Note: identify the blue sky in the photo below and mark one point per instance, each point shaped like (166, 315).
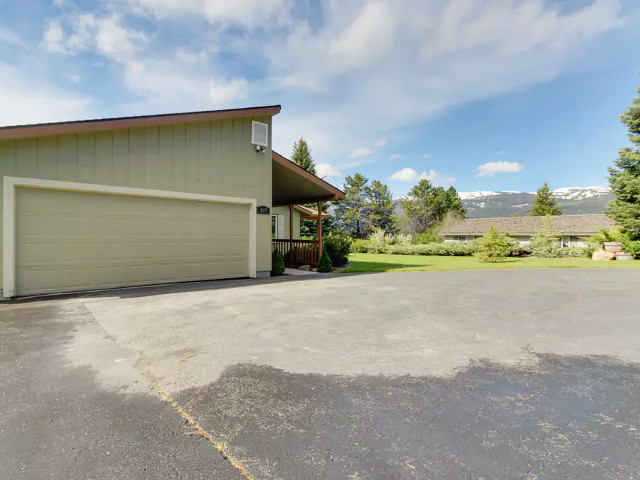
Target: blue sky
(493, 95)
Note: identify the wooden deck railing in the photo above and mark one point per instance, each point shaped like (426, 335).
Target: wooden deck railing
(297, 252)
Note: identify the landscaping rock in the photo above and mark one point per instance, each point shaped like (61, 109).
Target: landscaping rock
(603, 255)
(306, 268)
(623, 256)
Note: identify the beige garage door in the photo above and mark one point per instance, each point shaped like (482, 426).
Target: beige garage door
(70, 241)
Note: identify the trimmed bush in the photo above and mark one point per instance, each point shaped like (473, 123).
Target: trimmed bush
(277, 264)
(458, 249)
(426, 237)
(574, 252)
(359, 245)
(494, 246)
(325, 265)
(338, 246)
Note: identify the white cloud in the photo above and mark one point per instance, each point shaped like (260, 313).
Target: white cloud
(366, 39)
(409, 175)
(500, 152)
(8, 37)
(116, 41)
(242, 13)
(380, 143)
(221, 92)
(405, 175)
(431, 175)
(426, 67)
(395, 156)
(72, 77)
(53, 38)
(489, 169)
(25, 100)
(185, 56)
(106, 36)
(325, 170)
(361, 152)
(162, 82)
(365, 68)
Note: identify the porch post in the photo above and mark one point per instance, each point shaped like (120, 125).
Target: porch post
(319, 229)
(290, 222)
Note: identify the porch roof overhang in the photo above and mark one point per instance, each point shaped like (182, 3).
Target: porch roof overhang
(293, 184)
(309, 213)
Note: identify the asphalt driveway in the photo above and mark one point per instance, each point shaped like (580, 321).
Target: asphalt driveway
(483, 374)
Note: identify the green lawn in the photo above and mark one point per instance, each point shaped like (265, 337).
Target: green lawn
(372, 262)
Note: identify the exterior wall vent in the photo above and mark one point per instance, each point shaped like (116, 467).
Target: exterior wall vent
(260, 134)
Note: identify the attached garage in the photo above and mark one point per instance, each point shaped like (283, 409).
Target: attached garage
(120, 202)
(71, 237)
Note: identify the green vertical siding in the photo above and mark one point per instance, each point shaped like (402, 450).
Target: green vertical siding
(214, 158)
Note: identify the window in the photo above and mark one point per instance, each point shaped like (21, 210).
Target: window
(274, 226)
(467, 238)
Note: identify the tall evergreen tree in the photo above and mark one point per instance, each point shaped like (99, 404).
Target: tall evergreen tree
(426, 205)
(352, 213)
(381, 207)
(624, 180)
(545, 203)
(301, 155)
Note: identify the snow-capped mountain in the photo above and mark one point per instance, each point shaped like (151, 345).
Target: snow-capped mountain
(574, 200)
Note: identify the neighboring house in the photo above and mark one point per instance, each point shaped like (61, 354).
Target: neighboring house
(573, 229)
(145, 200)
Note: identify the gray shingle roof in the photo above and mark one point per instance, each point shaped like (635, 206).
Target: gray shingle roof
(582, 225)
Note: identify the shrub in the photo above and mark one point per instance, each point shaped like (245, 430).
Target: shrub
(442, 249)
(378, 240)
(574, 252)
(545, 243)
(277, 264)
(426, 237)
(494, 246)
(338, 246)
(358, 245)
(616, 234)
(403, 239)
(325, 265)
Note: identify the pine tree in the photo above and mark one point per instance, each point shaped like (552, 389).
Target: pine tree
(545, 203)
(352, 212)
(624, 180)
(427, 206)
(545, 242)
(381, 207)
(302, 156)
(494, 246)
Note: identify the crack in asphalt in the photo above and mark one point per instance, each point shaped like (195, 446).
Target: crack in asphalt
(154, 386)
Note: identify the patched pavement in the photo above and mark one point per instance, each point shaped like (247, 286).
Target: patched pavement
(513, 374)
(58, 422)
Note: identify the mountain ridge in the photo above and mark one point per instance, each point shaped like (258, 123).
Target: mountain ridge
(509, 203)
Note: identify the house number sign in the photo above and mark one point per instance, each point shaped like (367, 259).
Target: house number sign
(263, 210)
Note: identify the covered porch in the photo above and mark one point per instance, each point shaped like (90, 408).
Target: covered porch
(293, 187)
